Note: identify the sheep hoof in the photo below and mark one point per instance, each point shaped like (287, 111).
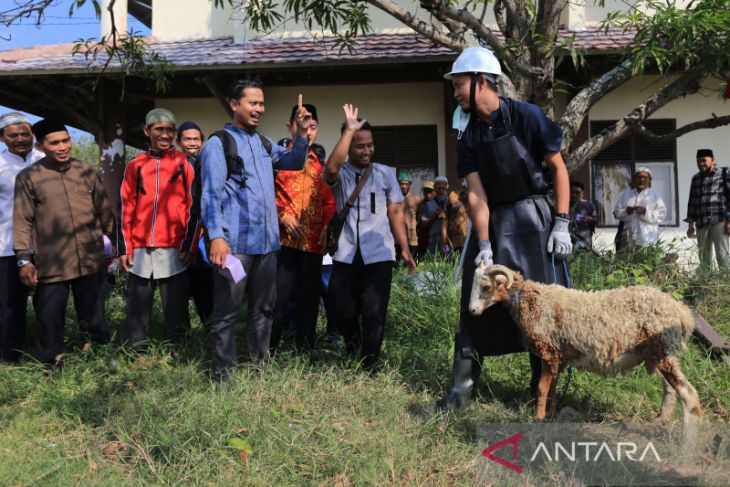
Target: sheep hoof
(567, 415)
(663, 419)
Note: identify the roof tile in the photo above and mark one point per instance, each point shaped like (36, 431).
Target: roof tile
(256, 53)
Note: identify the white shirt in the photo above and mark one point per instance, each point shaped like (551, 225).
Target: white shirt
(10, 165)
(157, 262)
(642, 229)
(367, 227)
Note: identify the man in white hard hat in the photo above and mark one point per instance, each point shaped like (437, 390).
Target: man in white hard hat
(509, 154)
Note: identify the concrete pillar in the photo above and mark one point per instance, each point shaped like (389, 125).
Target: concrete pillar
(119, 8)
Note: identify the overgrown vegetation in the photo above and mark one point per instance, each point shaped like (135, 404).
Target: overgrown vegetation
(112, 416)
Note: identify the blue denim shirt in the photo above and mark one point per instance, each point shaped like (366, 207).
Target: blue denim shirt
(367, 227)
(245, 217)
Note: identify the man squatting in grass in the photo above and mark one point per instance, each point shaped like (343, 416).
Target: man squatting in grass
(157, 231)
(305, 205)
(18, 154)
(363, 271)
(240, 218)
(500, 155)
(200, 273)
(60, 217)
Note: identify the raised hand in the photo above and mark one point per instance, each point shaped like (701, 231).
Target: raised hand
(302, 118)
(351, 121)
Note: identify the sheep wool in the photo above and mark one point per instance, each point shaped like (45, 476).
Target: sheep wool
(606, 332)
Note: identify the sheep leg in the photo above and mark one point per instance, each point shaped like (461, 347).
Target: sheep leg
(669, 400)
(553, 390)
(691, 410)
(543, 388)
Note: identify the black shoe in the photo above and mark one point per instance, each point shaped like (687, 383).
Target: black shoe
(54, 366)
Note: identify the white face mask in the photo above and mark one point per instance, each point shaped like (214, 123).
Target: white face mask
(460, 121)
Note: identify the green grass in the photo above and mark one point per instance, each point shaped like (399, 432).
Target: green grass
(157, 418)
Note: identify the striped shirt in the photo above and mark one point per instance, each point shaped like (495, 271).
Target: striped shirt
(708, 198)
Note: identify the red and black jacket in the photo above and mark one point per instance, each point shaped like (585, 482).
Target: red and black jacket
(156, 200)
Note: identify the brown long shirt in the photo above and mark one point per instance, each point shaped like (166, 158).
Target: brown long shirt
(60, 215)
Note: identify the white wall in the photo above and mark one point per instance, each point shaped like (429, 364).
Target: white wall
(684, 110)
(199, 19)
(387, 104)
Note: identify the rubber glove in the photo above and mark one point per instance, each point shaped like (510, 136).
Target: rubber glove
(559, 243)
(485, 253)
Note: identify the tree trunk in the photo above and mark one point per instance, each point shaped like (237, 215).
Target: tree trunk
(111, 137)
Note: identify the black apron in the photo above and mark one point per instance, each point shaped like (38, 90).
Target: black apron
(519, 226)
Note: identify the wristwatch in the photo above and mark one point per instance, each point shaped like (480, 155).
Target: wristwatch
(564, 216)
(23, 262)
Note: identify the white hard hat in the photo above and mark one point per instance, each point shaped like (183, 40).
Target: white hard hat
(475, 60)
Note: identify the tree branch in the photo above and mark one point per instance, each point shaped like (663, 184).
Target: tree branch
(25, 10)
(709, 123)
(548, 20)
(687, 84)
(497, 45)
(423, 28)
(516, 18)
(581, 103)
(209, 83)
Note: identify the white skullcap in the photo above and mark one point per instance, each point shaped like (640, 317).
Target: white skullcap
(643, 169)
(12, 118)
(441, 179)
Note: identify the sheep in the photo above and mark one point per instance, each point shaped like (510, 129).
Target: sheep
(606, 332)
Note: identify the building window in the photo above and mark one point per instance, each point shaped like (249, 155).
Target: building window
(408, 147)
(612, 169)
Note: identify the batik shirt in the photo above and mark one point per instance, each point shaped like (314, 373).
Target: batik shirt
(305, 196)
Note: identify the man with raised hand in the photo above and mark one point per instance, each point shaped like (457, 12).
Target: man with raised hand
(238, 210)
(360, 285)
(305, 205)
(60, 217)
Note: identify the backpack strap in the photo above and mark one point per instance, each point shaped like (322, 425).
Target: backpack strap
(230, 151)
(265, 142)
(140, 183)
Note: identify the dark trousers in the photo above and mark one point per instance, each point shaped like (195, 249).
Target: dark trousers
(298, 276)
(329, 306)
(201, 290)
(360, 294)
(13, 299)
(174, 298)
(50, 302)
(260, 286)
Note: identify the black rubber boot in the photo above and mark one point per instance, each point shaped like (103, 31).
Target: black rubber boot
(466, 374)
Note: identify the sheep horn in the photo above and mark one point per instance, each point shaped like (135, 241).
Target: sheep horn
(497, 269)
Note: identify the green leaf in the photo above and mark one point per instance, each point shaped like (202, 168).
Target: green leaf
(240, 444)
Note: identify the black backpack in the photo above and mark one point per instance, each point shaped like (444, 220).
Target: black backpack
(233, 160)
